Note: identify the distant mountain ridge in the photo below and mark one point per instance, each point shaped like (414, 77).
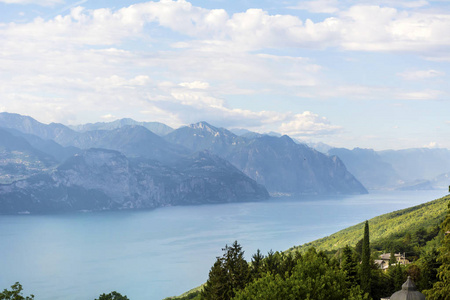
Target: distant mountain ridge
(408, 169)
(278, 163)
(130, 167)
(99, 179)
(155, 127)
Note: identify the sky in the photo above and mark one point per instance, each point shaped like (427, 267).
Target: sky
(369, 74)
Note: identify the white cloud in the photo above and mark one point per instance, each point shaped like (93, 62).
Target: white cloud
(318, 6)
(420, 74)
(201, 85)
(420, 95)
(307, 124)
(431, 145)
(37, 2)
(108, 117)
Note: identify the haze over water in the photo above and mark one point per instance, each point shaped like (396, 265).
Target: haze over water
(164, 252)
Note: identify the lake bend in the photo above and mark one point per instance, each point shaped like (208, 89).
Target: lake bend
(164, 252)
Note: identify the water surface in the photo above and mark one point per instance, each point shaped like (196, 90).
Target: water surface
(164, 252)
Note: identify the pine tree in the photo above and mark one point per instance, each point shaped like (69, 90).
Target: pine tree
(216, 286)
(228, 274)
(365, 264)
(349, 265)
(257, 265)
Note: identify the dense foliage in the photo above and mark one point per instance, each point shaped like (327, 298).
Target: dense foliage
(441, 288)
(112, 296)
(306, 272)
(344, 273)
(412, 226)
(15, 293)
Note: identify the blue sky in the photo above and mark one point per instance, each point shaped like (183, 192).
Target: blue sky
(370, 74)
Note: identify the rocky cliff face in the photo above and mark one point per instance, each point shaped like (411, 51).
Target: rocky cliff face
(104, 179)
(278, 163)
(281, 165)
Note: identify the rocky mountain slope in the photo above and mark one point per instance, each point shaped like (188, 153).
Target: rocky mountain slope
(278, 163)
(19, 160)
(99, 179)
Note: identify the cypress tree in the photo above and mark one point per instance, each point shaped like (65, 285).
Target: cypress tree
(365, 258)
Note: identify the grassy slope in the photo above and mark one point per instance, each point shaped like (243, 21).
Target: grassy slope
(387, 226)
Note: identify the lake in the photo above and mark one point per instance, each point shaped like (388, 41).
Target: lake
(164, 252)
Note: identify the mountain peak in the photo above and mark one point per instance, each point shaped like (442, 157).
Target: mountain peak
(204, 126)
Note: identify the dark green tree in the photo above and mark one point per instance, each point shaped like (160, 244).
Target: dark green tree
(112, 296)
(216, 287)
(228, 274)
(287, 264)
(256, 267)
(313, 277)
(272, 262)
(397, 276)
(349, 265)
(15, 293)
(358, 248)
(392, 259)
(365, 261)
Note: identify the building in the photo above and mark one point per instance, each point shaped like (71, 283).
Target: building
(383, 262)
(408, 292)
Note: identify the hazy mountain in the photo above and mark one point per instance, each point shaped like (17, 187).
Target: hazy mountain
(203, 136)
(57, 132)
(49, 147)
(368, 167)
(321, 147)
(282, 165)
(440, 182)
(100, 179)
(422, 163)
(155, 127)
(278, 163)
(133, 141)
(19, 160)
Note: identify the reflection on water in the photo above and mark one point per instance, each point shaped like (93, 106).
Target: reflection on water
(164, 252)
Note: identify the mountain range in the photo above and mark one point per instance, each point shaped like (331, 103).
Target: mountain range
(43, 166)
(407, 169)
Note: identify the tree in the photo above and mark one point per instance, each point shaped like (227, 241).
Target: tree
(392, 259)
(441, 289)
(216, 286)
(349, 265)
(365, 258)
(313, 277)
(15, 293)
(112, 296)
(257, 264)
(228, 274)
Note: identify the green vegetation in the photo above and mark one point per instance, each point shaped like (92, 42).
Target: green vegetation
(392, 230)
(112, 296)
(441, 289)
(340, 266)
(15, 293)
(335, 264)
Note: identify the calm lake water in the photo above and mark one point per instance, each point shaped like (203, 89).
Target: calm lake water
(164, 252)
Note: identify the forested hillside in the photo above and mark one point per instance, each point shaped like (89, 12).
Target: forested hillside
(333, 267)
